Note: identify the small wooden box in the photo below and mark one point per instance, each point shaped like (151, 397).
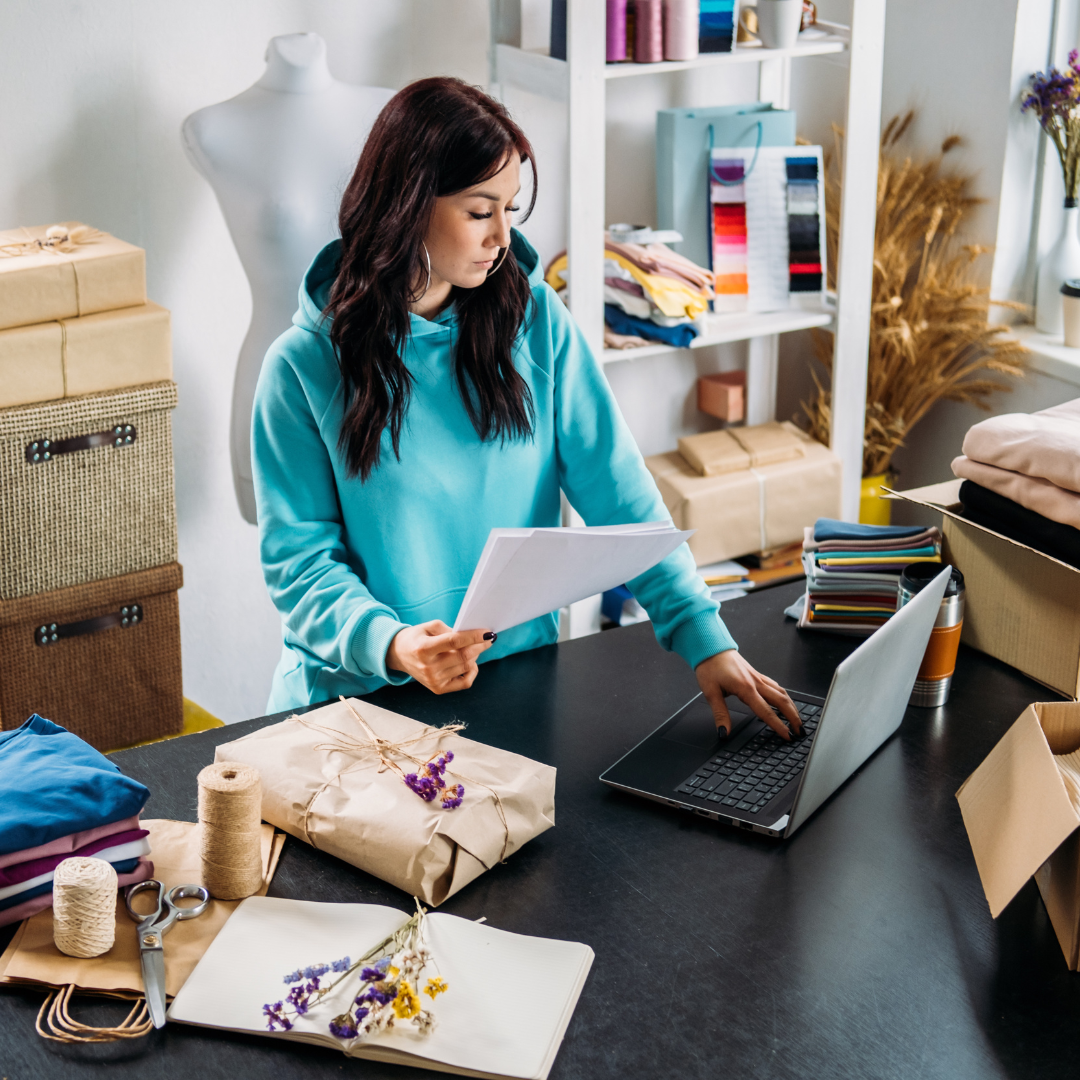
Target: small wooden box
(723, 395)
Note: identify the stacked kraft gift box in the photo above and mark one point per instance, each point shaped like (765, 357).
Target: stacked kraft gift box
(89, 621)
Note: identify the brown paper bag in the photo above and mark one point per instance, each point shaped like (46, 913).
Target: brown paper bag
(95, 273)
(31, 957)
(324, 781)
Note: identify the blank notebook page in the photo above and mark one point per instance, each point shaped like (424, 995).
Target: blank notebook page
(509, 1000)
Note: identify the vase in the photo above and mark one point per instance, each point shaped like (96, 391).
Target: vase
(1060, 262)
(873, 509)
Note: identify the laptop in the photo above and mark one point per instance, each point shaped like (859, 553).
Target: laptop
(755, 780)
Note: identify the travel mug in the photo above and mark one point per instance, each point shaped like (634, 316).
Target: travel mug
(934, 681)
(1070, 311)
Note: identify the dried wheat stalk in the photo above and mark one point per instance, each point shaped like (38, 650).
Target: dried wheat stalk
(929, 335)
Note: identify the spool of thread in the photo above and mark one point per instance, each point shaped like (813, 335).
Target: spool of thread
(648, 31)
(84, 907)
(616, 30)
(681, 29)
(230, 812)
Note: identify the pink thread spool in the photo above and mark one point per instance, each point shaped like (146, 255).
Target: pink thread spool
(648, 31)
(681, 19)
(616, 30)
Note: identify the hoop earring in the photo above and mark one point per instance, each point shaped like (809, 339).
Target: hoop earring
(500, 262)
(428, 285)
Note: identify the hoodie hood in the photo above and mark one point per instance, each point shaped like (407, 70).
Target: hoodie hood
(319, 279)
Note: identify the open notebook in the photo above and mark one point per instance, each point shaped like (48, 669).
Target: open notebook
(509, 1001)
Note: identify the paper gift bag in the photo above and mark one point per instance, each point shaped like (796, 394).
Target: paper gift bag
(739, 513)
(75, 356)
(75, 271)
(334, 779)
(31, 957)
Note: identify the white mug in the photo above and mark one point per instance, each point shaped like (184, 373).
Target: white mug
(778, 22)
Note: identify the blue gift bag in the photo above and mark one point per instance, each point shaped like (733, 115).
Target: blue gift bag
(682, 162)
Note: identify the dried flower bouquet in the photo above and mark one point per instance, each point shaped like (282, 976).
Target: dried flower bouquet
(929, 335)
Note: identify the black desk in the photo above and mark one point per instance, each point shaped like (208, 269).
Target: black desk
(861, 948)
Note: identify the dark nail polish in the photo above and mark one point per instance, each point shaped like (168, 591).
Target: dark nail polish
(490, 635)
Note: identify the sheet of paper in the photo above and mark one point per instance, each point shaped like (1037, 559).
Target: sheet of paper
(522, 578)
(509, 1000)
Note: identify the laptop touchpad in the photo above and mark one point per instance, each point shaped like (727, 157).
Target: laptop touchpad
(697, 727)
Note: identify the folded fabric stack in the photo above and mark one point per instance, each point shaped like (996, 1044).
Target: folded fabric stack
(1021, 478)
(651, 293)
(853, 572)
(62, 798)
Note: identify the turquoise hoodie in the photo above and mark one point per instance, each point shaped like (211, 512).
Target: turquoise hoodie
(350, 563)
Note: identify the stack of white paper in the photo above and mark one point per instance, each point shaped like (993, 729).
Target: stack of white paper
(525, 573)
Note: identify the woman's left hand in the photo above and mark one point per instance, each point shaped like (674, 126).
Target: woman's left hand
(728, 673)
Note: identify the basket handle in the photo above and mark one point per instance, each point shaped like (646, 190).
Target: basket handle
(49, 633)
(41, 450)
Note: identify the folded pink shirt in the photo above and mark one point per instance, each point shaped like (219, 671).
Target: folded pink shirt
(68, 845)
(31, 868)
(1044, 445)
(1035, 493)
(142, 872)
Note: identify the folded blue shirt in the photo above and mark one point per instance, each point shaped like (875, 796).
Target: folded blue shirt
(831, 529)
(679, 336)
(54, 784)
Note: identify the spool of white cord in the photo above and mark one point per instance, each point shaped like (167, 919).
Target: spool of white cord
(84, 907)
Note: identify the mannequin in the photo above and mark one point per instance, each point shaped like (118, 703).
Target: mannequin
(278, 157)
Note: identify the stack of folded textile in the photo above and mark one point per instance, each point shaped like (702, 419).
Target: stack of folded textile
(651, 293)
(1021, 478)
(62, 798)
(853, 572)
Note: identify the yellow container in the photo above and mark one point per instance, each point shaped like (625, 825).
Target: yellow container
(874, 510)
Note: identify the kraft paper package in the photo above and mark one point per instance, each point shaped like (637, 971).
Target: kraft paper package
(753, 507)
(32, 958)
(334, 779)
(64, 271)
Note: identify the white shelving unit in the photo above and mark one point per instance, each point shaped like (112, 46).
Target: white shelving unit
(580, 82)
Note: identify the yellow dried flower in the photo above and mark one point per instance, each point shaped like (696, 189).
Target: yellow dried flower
(434, 987)
(406, 1004)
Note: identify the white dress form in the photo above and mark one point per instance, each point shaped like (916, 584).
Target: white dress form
(278, 157)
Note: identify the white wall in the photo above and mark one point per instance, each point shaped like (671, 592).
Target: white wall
(92, 94)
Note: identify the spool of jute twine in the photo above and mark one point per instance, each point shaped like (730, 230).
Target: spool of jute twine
(230, 813)
(84, 907)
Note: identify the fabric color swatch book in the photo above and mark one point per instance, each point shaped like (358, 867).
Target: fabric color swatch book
(508, 1003)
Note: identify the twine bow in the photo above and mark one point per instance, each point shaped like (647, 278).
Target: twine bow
(59, 239)
(387, 749)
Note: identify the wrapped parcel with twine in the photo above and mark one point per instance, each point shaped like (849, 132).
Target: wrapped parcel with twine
(421, 807)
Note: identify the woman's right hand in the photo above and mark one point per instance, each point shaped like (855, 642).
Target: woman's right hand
(442, 659)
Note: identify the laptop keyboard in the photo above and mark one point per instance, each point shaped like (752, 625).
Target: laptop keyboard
(752, 776)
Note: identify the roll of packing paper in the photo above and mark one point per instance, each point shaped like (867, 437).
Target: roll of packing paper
(681, 29)
(648, 31)
(616, 30)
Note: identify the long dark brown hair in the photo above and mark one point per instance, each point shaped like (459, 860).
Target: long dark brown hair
(435, 137)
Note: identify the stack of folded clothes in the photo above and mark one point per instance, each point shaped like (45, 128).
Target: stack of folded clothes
(853, 572)
(651, 293)
(62, 798)
(1021, 478)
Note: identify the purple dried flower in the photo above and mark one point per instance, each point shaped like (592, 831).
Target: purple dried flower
(275, 1016)
(295, 977)
(452, 799)
(375, 996)
(340, 965)
(370, 974)
(315, 970)
(343, 1026)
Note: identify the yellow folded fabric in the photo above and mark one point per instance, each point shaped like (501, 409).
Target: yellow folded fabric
(674, 298)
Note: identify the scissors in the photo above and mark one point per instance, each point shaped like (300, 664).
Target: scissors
(152, 927)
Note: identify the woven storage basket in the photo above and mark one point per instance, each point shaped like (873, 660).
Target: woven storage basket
(109, 682)
(86, 513)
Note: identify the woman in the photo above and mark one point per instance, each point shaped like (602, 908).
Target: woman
(434, 387)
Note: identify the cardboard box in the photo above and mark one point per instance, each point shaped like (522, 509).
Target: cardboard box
(723, 395)
(713, 453)
(1022, 607)
(88, 355)
(91, 272)
(751, 510)
(1021, 813)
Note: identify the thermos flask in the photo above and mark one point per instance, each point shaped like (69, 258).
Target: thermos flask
(934, 680)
